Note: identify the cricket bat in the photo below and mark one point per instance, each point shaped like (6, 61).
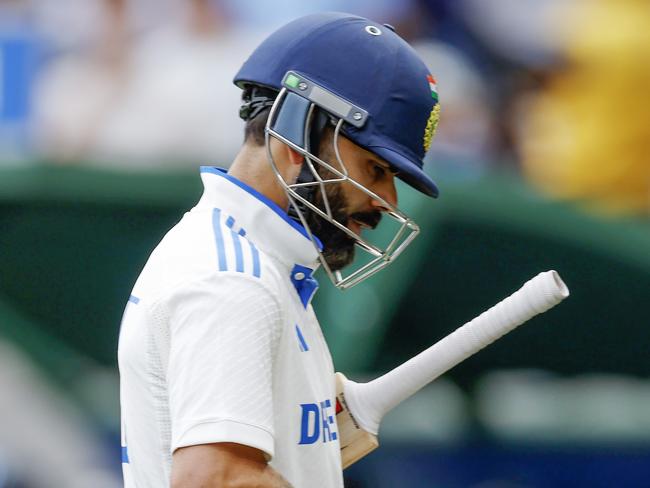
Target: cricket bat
(361, 406)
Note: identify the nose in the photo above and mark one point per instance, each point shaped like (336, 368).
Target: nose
(387, 191)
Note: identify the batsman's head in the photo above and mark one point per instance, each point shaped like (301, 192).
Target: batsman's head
(357, 107)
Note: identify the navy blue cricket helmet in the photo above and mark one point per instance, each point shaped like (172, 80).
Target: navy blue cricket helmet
(369, 66)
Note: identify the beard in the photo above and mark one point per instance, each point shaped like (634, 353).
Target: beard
(338, 247)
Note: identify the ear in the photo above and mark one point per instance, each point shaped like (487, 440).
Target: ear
(294, 156)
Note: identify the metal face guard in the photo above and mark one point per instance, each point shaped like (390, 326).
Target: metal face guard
(297, 137)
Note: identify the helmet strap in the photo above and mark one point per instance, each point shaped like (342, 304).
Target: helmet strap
(254, 100)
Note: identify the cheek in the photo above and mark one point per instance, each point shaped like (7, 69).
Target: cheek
(357, 167)
(356, 200)
(359, 173)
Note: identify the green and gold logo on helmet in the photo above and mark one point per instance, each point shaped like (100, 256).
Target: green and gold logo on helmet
(432, 125)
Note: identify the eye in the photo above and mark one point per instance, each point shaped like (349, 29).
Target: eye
(379, 171)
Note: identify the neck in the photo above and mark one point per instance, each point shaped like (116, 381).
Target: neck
(251, 166)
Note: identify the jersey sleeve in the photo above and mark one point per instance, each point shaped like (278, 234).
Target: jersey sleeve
(224, 332)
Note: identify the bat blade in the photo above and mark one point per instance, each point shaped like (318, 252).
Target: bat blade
(355, 442)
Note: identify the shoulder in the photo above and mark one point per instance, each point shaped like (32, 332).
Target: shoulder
(234, 251)
(224, 290)
(209, 244)
(206, 240)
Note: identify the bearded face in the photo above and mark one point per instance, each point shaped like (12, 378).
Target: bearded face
(338, 247)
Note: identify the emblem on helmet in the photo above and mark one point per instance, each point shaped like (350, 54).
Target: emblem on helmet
(433, 86)
(432, 125)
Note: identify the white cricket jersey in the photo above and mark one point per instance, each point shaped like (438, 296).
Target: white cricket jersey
(219, 343)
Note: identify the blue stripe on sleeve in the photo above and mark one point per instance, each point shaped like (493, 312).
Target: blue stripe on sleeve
(256, 260)
(125, 455)
(218, 237)
(303, 344)
(239, 256)
(134, 299)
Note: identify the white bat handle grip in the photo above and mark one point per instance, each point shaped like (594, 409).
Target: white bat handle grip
(369, 402)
